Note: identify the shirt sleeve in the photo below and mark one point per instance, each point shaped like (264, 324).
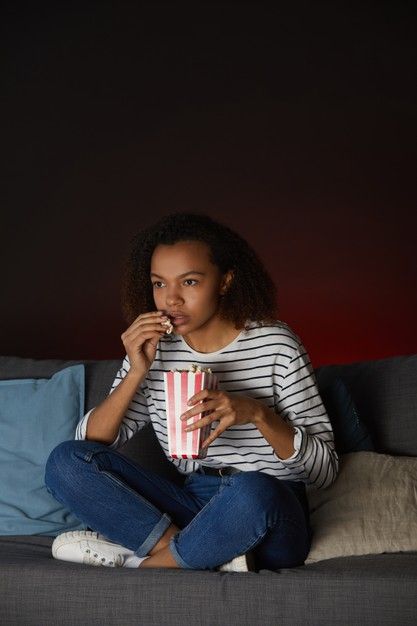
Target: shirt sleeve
(298, 402)
(137, 414)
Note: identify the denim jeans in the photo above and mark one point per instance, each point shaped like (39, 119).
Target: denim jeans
(219, 517)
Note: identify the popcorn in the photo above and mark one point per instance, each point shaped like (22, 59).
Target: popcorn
(195, 368)
(169, 326)
(180, 385)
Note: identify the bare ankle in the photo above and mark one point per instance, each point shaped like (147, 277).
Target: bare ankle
(163, 558)
(165, 539)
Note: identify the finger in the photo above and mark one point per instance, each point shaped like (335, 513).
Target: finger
(208, 419)
(146, 317)
(210, 405)
(202, 395)
(216, 433)
(156, 319)
(149, 315)
(141, 328)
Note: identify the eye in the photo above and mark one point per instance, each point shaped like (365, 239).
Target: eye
(187, 280)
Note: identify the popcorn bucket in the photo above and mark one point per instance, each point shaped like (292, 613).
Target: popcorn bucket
(180, 386)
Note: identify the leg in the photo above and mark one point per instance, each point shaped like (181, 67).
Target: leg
(249, 508)
(287, 544)
(163, 558)
(117, 497)
(165, 539)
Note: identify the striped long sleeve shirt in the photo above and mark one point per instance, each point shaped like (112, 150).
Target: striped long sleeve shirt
(265, 362)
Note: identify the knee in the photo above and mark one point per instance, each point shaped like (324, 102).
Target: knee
(62, 459)
(256, 488)
(57, 459)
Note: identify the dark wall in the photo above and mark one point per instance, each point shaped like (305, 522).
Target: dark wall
(294, 126)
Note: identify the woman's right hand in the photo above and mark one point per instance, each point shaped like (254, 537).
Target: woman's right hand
(141, 340)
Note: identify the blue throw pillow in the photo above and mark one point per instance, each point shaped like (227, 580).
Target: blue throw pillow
(35, 416)
(350, 433)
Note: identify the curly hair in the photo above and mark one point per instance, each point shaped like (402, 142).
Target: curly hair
(251, 294)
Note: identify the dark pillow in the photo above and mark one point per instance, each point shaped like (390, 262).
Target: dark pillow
(350, 433)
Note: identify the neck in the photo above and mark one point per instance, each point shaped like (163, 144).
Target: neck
(213, 339)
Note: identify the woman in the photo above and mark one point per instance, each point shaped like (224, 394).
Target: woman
(270, 434)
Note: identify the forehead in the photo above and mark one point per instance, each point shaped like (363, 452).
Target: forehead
(183, 254)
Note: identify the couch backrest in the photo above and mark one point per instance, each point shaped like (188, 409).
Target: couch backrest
(384, 392)
(99, 375)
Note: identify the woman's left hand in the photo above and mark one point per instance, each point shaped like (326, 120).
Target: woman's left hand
(229, 409)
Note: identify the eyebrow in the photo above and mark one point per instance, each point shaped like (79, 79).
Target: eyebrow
(181, 275)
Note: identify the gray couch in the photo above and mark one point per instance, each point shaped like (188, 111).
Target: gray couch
(378, 589)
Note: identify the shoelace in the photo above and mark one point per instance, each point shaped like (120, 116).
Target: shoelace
(93, 558)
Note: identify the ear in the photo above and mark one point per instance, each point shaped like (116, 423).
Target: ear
(226, 280)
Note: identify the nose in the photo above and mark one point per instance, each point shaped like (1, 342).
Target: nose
(173, 297)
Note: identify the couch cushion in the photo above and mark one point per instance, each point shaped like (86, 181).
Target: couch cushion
(385, 394)
(371, 508)
(36, 589)
(350, 432)
(35, 416)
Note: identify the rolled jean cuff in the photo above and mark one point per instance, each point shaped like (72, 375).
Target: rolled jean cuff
(152, 539)
(175, 554)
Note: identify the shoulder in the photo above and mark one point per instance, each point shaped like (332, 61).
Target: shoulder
(276, 328)
(275, 333)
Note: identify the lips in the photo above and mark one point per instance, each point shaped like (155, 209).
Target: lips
(177, 319)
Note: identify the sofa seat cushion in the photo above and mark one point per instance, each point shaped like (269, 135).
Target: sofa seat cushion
(37, 589)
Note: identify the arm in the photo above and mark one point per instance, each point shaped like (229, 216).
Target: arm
(121, 414)
(302, 437)
(277, 433)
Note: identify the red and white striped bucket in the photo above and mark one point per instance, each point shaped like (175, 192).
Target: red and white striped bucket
(179, 388)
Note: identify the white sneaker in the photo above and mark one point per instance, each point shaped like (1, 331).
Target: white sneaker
(90, 548)
(242, 563)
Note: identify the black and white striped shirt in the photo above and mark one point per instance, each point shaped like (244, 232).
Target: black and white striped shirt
(266, 362)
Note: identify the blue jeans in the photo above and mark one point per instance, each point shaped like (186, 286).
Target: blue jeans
(219, 517)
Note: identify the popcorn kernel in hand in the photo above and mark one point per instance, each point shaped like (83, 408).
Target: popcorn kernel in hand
(169, 326)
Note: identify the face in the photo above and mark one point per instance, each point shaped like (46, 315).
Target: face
(186, 285)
